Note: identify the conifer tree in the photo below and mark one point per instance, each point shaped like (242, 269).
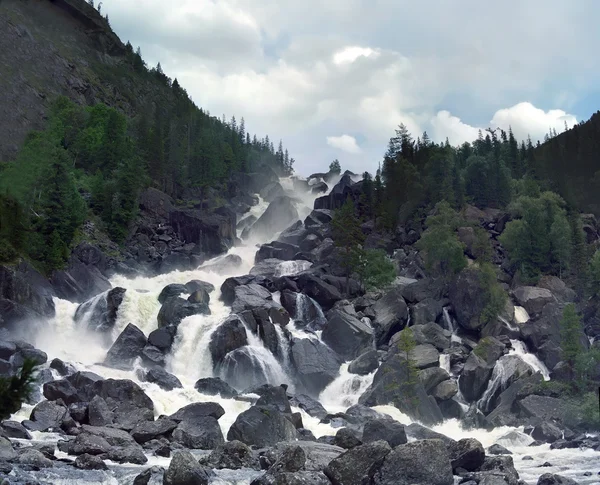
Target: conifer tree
(348, 237)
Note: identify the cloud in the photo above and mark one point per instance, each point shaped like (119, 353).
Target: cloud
(445, 125)
(345, 143)
(525, 119)
(350, 54)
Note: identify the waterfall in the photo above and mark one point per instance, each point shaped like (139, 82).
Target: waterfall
(451, 325)
(519, 349)
(308, 312)
(345, 390)
(85, 312)
(284, 347)
(290, 268)
(445, 363)
(521, 315)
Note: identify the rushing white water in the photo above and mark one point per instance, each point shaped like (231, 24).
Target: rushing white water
(287, 268)
(345, 390)
(451, 325)
(521, 315)
(518, 348)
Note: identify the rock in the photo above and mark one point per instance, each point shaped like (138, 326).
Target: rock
(276, 250)
(390, 385)
(310, 406)
(261, 426)
(7, 350)
(127, 454)
(424, 462)
(546, 432)
(232, 455)
(319, 188)
(114, 437)
(99, 414)
(425, 356)
(161, 338)
(77, 387)
(318, 217)
(162, 379)
(431, 377)
(213, 233)
(503, 466)
(467, 297)
(432, 334)
(63, 368)
(230, 335)
(242, 368)
(533, 299)
(552, 479)
(185, 470)
(172, 290)
(6, 450)
(14, 429)
(292, 459)
(214, 386)
(203, 433)
(100, 313)
(34, 458)
(467, 454)
(346, 438)
(325, 294)
(224, 264)
(428, 310)
(175, 309)
(251, 296)
(474, 377)
(149, 430)
(279, 215)
(79, 281)
(87, 443)
(358, 465)
(194, 411)
(365, 363)
(275, 396)
(445, 390)
(547, 409)
(497, 449)
(557, 287)
(391, 315)
(89, 462)
(419, 432)
(347, 335)
(316, 364)
(128, 346)
(127, 401)
(48, 415)
(389, 431)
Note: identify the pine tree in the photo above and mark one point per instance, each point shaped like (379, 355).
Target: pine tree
(16, 389)
(335, 167)
(348, 237)
(570, 333)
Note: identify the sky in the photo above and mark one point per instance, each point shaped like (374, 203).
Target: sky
(334, 78)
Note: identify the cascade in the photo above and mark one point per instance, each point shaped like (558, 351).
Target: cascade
(519, 349)
(451, 325)
(288, 268)
(308, 312)
(345, 390)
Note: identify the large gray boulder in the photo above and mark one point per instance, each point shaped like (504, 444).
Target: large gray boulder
(365, 363)
(533, 299)
(391, 315)
(467, 296)
(175, 309)
(474, 377)
(358, 465)
(425, 356)
(431, 333)
(559, 289)
(184, 469)
(128, 347)
(316, 364)
(347, 335)
(467, 453)
(99, 314)
(230, 335)
(553, 479)
(150, 430)
(424, 462)
(278, 216)
(203, 433)
(47, 415)
(262, 426)
(387, 430)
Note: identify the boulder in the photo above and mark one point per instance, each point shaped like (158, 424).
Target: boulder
(508, 369)
(230, 335)
(553, 479)
(114, 437)
(223, 264)
(7, 453)
(319, 188)
(558, 288)
(276, 250)
(391, 315)
(293, 234)
(533, 299)
(468, 300)
(474, 378)
(175, 309)
(393, 384)
(261, 426)
(128, 347)
(127, 454)
(47, 415)
(99, 314)
(337, 196)
(202, 433)
(128, 402)
(502, 466)
(432, 334)
(325, 294)
(424, 356)
(546, 432)
(467, 453)
(347, 335)
(250, 297)
(432, 376)
(428, 310)
(243, 368)
(195, 411)
(310, 406)
(316, 364)
(386, 430)
(346, 438)
(213, 233)
(365, 363)
(358, 465)
(232, 455)
(14, 429)
(89, 444)
(445, 390)
(153, 356)
(279, 215)
(170, 291)
(497, 449)
(63, 368)
(149, 430)
(160, 377)
(424, 462)
(34, 458)
(98, 412)
(184, 469)
(275, 396)
(89, 462)
(78, 387)
(161, 338)
(318, 217)
(214, 386)
(79, 281)
(271, 191)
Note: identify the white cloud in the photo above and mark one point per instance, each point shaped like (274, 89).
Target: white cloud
(445, 125)
(350, 54)
(345, 143)
(525, 119)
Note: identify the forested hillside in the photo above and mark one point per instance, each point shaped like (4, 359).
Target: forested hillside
(113, 126)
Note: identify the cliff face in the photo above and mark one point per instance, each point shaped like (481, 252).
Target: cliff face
(61, 47)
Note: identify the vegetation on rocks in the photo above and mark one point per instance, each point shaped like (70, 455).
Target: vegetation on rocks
(16, 389)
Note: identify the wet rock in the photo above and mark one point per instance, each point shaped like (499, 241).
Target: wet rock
(273, 396)
(474, 378)
(7, 453)
(278, 216)
(47, 415)
(558, 288)
(359, 465)
(503, 466)
(347, 335)
(467, 453)
(310, 406)
(424, 462)
(172, 290)
(432, 376)
(127, 454)
(445, 390)
(262, 426)
(175, 309)
(533, 299)
(101, 310)
(546, 432)
(162, 378)
(420, 432)
(316, 364)
(432, 334)
(99, 414)
(365, 363)
(79, 412)
(230, 335)
(199, 297)
(149, 430)
(203, 433)
(389, 431)
(391, 315)
(128, 402)
(63, 368)
(467, 297)
(325, 294)
(215, 386)
(34, 458)
(90, 462)
(425, 356)
(497, 449)
(198, 410)
(552, 479)
(428, 310)
(87, 443)
(14, 429)
(346, 438)
(161, 338)
(185, 470)
(232, 455)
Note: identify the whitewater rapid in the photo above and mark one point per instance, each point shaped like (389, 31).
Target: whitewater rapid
(191, 360)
